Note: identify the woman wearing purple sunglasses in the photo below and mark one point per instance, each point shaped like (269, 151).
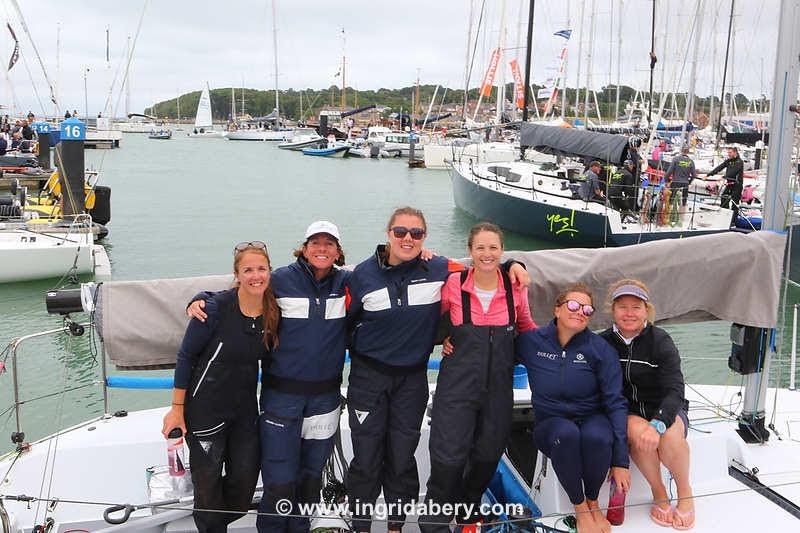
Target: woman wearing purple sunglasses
(581, 414)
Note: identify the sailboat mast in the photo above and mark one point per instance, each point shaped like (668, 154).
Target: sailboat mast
(466, 60)
(275, 51)
(652, 63)
(698, 23)
(619, 58)
(178, 102)
(344, 86)
(580, 56)
(58, 72)
(777, 198)
(724, 77)
(501, 86)
(589, 66)
(564, 74)
(528, 48)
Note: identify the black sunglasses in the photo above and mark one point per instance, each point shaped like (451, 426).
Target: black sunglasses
(401, 231)
(242, 246)
(574, 306)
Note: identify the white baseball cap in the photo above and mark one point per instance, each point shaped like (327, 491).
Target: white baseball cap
(323, 226)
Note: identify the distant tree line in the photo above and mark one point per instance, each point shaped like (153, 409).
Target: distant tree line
(258, 103)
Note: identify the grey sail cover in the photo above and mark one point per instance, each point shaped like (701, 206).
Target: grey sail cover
(726, 276)
(569, 141)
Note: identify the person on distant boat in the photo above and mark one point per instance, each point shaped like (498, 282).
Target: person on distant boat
(589, 189)
(214, 400)
(472, 407)
(74, 113)
(680, 174)
(580, 412)
(394, 314)
(67, 115)
(16, 140)
(734, 181)
(300, 397)
(27, 131)
(653, 384)
(622, 187)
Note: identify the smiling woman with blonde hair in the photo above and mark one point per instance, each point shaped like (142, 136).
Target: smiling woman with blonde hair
(657, 409)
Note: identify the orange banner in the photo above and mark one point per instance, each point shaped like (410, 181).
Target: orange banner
(519, 88)
(488, 79)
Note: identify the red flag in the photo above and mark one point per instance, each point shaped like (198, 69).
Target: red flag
(488, 79)
(519, 88)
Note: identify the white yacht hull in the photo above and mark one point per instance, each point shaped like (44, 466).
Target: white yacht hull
(260, 135)
(106, 459)
(27, 255)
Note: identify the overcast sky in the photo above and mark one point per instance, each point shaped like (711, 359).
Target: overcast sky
(184, 43)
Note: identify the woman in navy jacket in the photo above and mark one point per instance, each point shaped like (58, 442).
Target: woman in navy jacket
(580, 412)
(300, 396)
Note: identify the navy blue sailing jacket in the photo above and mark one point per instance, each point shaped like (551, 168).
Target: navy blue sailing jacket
(575, 381)
(395, 310)
(312, 330)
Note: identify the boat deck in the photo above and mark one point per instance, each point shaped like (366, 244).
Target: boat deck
(91, 459)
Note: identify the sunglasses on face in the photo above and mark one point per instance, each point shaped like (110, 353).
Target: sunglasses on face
(400, 232)
(242, 246)
(574, 306)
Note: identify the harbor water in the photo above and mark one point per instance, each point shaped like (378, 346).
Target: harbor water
(179, 207)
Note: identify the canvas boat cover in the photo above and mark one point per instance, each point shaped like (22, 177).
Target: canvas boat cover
(727, 276)
(573, 142)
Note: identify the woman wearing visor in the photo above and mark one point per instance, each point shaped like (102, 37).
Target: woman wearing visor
(300, 398)
(580, 412)
(657, 409)
(214, 399)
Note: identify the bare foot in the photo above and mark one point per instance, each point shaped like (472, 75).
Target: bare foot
(599, 516)
(585, 519)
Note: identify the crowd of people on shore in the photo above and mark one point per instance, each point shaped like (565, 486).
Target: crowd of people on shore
(599, 400)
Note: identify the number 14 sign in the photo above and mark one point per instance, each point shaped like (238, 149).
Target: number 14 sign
(73, 129)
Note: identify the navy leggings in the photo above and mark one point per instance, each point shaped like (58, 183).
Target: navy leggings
(580, 452)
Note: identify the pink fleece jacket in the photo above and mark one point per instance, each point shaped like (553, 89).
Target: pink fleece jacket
(498, 311)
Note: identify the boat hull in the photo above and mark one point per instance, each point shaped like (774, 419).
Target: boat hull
(570, 226)
(339, 151)
(260, 135)
(26, 255)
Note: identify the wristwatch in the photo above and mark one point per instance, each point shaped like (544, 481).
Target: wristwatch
(660, 426)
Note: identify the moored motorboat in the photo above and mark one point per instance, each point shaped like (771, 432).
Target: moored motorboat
(162, 134)
(332, 150)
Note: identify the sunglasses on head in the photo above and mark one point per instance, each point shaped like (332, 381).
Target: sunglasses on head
(242, 246)
(574, 306)
(401, 231)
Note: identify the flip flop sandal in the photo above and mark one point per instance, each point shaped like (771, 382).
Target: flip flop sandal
(662, 517)
(685, 517)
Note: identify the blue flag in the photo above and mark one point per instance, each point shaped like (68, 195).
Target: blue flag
(563, 33)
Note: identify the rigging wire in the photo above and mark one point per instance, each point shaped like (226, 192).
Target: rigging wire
(35, 50)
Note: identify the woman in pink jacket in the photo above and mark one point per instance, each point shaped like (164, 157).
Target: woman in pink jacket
(471, 419)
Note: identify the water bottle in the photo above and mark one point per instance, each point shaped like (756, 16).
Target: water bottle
(175, 455)
(616, 505)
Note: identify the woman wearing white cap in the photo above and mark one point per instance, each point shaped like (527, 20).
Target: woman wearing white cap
(300, 398)
(657, 409)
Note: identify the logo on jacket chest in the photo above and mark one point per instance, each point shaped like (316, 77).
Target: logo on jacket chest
(548, 355)
(580, 358)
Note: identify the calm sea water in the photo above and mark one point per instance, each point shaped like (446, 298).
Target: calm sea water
(179, 206)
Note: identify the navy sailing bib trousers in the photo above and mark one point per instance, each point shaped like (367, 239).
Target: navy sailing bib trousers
(222, 417)
(472, 408)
